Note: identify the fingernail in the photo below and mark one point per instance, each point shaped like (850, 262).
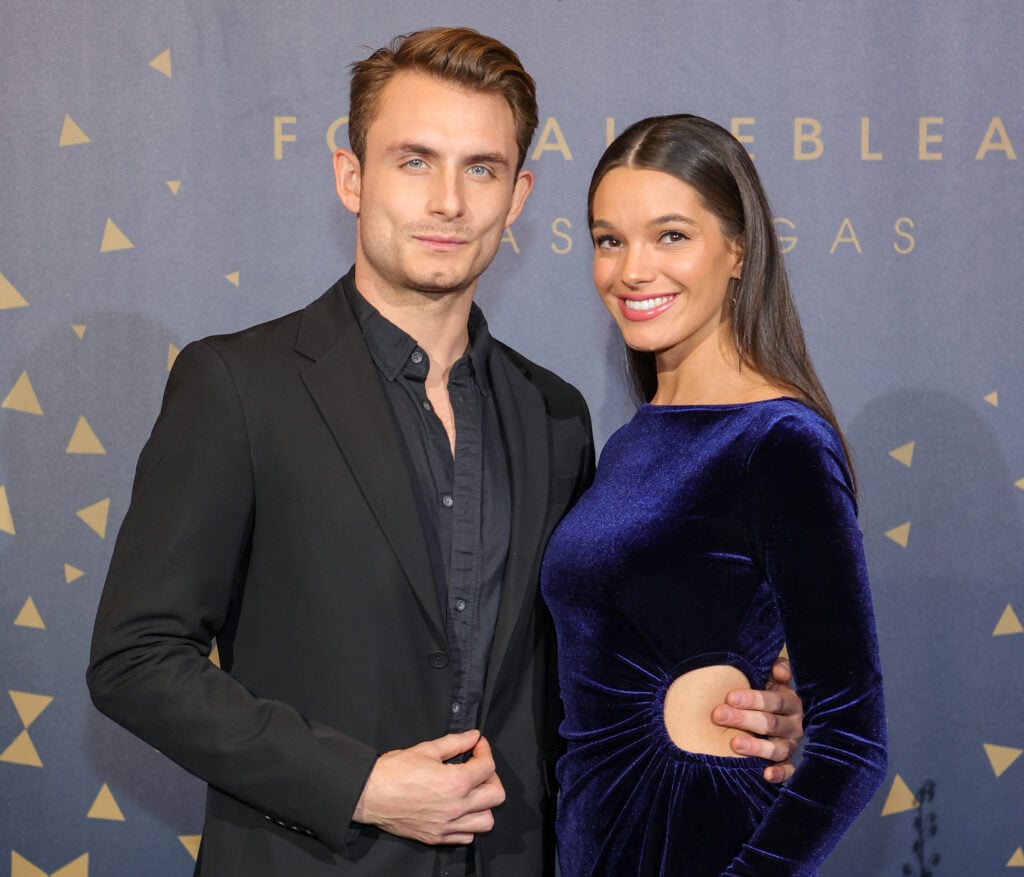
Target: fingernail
(741, 744)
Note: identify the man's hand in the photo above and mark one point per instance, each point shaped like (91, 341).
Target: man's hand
(413, 793)
(776, 713)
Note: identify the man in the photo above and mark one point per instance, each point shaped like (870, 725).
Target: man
(354, 500)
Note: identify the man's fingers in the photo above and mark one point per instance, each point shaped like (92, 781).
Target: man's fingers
(479, 767)
(779, 773)
(471, 823)
(789, 727)
(448, 747)
(482, 748)
(774, 715)
(752, 721)
(769, 748)
(782, 701)
(782, 672)
(420, 793)
(490, 793)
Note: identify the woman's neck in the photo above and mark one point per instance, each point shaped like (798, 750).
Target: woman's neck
(710, 374)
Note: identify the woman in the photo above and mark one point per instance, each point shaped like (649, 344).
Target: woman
(721, 526)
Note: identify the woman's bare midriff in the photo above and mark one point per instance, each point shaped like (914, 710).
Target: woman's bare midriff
(688, 705)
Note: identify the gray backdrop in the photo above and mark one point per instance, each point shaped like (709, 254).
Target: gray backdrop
(145, 201)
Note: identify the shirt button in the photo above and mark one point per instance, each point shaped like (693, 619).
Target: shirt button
(447, 501)
(438, 660)
(427, 406)
(460, 605)
(456, 709)
(417, 356)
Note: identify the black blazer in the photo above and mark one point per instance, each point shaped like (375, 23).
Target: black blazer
(272, 511)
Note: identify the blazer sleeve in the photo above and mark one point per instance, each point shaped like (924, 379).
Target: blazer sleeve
(809, 542)
(178, 564)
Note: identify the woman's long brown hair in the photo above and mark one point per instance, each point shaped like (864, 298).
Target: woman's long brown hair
(765, 324)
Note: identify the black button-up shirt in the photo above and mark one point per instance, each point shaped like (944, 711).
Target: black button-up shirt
(464, 499)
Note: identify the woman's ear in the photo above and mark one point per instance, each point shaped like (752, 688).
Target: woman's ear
(737, 249)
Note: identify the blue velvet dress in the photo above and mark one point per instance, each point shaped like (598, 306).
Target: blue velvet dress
(711, 535)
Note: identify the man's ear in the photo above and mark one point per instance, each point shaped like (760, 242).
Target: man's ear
(348, 179)
(524, 184)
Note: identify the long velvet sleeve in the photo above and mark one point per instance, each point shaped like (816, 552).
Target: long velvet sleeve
(803, 517)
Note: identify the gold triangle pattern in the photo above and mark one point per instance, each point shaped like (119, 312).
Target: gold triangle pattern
(114, 238)
(6, 519)
(900, 798)
(215, 656)
(22, 867)
(1001, 757)
(77, 868)
(22, 397)
(95, 516)
(1019, 483)
(29, 706)
(9, 296)
(162, 63)
(900, 535)
(172, 354)
(232, 278)
(1008, 623)
(29, 616)
(903, 454)
(174, 186)
(191, 843)
(83, 440)
(105, 806)
(993, 399)
(71, 134)
(22, 751)
(78, 329)
(71, 573)
(1017, 859)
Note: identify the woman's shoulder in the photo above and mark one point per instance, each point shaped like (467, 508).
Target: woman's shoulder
(790, 421)
(791, 442)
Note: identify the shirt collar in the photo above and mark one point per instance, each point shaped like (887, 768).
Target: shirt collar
(391, 348)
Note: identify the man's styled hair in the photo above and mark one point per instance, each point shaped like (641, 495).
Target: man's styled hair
(457, 55)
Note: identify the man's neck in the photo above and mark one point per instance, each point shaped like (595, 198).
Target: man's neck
(437, 321)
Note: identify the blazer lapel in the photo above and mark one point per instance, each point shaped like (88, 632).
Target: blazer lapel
(345, 385)
(525, 431)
